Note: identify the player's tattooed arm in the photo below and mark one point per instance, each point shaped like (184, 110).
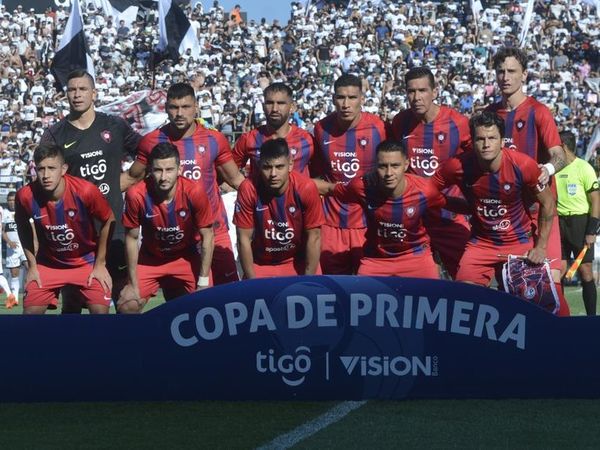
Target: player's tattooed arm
(558, 160)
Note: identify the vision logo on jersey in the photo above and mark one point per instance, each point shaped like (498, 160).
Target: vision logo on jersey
(170, 235)
(281, 232)
(62, 235)
(389, 230)
(106, 136)
(191, 169)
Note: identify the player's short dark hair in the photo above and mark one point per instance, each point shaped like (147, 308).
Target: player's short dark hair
(11, 194)
(180, 90)
(486, 119)
(569, 140)
(391, 145)
(273, 149)
(81, 73)
(347, 80)
(506, 52)
(278, 87)
(420, 72)
(163, 150)
(46, 150)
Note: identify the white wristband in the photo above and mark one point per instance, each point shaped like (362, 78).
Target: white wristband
(550, 168)
(203, 281)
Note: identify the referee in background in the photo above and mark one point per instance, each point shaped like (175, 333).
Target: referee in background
(579, 216)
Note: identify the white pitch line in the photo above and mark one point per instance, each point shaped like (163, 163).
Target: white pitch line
(335, 414)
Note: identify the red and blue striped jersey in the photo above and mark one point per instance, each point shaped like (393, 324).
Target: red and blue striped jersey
(498, 199)
(200, 155)
(428, 145)
(65, 228)
(169, 230)
(394, 225)
(342, 155)
(529, 129)
(300, 143)
(278, 221)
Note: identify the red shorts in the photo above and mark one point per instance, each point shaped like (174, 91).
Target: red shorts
(53, 280)
(410, 265)
(223, 267)
(449, 239)
(341, 249)
(177, 277)
(285, 269)
(481, 261)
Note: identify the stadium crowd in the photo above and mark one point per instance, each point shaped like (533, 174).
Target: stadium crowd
(239, 59)
(377, 41)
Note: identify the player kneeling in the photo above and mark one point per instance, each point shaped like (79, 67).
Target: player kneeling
(394, 203)
(278, 217)
(174, 214)
(70, 251)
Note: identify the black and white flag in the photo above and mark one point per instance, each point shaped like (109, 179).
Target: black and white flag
(72, 52)
(176, 33)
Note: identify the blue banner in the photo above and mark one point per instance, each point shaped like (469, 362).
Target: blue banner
(307, 338)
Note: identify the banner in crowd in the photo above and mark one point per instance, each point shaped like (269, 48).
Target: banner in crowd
(144, 110)
(308, 338)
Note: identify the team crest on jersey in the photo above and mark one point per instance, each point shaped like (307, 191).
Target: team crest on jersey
(201, 149)
(363, 142)
(292, 209)
(520, 124)
(441, 137)
(71, 212)
(293, 151)
(182, 213)
(507, 187)
(106, 136)
(410, 211)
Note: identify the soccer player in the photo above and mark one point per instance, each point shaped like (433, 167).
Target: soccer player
(278, 217)
(15, 257)
(345, 149)
(70, 251)
(205, 155)
(171, 210)
(497, 184)
(94, 146)
(395, 203)
(530, 129)
(579, 217)
(432, 134)
(278, 105)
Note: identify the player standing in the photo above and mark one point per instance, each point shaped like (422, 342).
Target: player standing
(498, 185)
(205, 155)
(15, 257)
(345, 149)
(278, 105)
(171, 210)
(432, 134)
(278, 217)
(70, 252)
(94, 145)
(530, 129)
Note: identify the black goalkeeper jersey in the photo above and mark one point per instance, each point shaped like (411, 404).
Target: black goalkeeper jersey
(96, 154)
